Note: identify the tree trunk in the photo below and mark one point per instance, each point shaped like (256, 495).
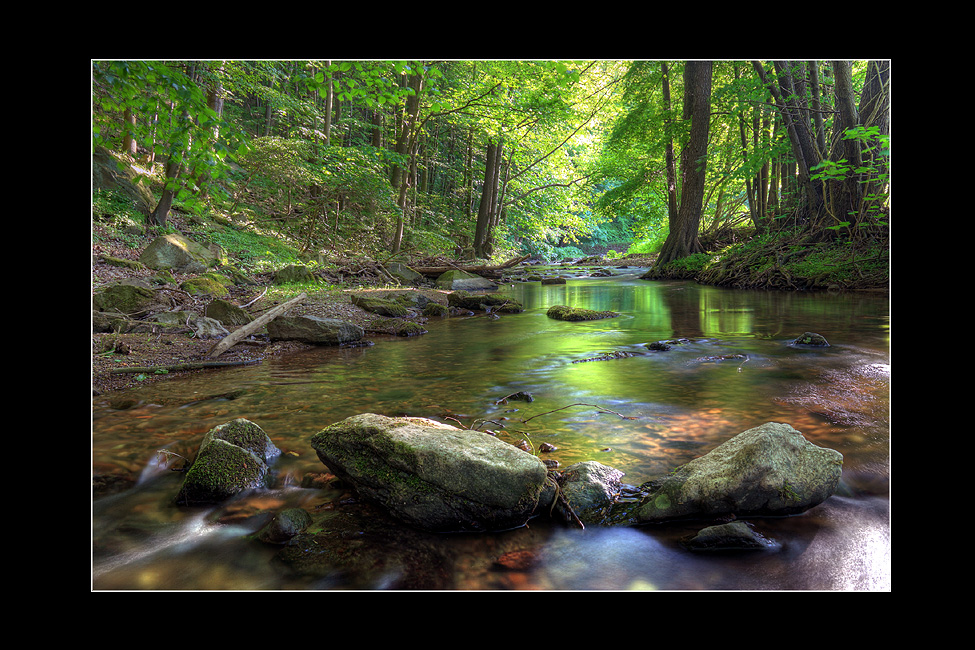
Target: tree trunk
(683, 240)
(671, 165)
(485, 210)
(405, 148)
(161, 211)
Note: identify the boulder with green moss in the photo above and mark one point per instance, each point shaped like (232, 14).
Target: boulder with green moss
(232, 458)
(124, 298)
(564, 312)
(380, 306)
(484, 302)
(293, 274)
(204, 285)
(434, 476)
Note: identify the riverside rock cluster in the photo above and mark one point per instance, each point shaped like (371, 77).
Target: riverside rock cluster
(437, 478)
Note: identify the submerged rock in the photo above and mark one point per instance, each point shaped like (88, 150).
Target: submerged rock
(433, 476)
(734, 536)
(812, 339)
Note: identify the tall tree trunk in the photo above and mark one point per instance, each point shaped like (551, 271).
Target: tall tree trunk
(671, 165)
(485, 211)
(683, 240)
(405, 148)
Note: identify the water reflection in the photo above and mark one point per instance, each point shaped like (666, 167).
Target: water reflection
(644, 414)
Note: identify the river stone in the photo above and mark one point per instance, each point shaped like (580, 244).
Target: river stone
(812, 339)
(431, 475)
(457, 279)
(770, 470)
(232, 458)
(178, 253)
(312, 329)
(590, 489)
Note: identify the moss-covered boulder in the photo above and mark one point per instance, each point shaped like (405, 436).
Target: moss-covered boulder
(205, 285)
(431, 475)
(233, 458)
(126, 299)
(434, 309)
(770, 470)
(484, 302)
(293, 274)
(380, 306)
(564, 312)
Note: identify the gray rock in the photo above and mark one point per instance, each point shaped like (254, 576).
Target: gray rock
(403, 273)
(770, 470)
(462, 280)
(434, 476)
(734, 536)
(590, 489)
(312, 329)
(227, 313)
(178, 253)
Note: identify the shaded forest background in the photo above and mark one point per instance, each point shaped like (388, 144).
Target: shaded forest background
(727, 170)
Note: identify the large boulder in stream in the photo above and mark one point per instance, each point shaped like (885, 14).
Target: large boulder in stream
(770, 470)
(433, 476)
(233, 458)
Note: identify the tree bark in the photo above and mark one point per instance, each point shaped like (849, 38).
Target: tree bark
(485, 211)
(683, 240)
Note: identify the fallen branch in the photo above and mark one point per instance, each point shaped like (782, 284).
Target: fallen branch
(194, 365)
(478, 269)
(596, 406)
(243, 332)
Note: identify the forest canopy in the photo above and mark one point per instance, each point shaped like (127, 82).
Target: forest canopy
(496, 158)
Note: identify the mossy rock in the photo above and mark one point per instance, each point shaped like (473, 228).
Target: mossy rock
(564, 312)
(204, 285)
(380, 306)
(435, 309)
(478, 301)
(124, 299)
(294, 274)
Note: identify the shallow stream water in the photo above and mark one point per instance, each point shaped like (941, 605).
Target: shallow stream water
(643, 414)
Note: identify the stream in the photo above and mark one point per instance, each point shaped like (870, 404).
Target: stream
(643, 414)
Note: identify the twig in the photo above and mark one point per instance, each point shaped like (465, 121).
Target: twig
(596, 406)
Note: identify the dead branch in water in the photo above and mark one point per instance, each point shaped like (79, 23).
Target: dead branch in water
(595, 406)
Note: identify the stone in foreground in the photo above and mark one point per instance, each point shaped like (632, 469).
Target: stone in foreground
(770, 470)
(431, 475)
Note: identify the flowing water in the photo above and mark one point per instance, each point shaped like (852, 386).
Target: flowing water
(643, 414)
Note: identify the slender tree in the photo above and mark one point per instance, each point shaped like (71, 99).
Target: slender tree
(682, 240)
